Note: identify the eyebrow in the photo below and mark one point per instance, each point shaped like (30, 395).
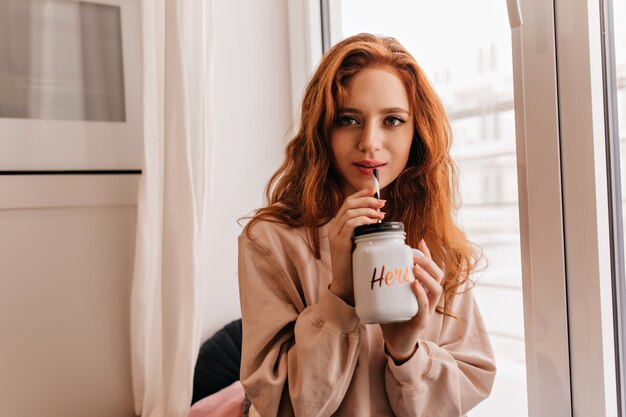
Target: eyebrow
(387, 110)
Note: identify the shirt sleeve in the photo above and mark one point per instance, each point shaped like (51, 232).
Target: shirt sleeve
(296, 360)
(447, 378)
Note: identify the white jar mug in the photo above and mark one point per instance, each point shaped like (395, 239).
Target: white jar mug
(382, 272)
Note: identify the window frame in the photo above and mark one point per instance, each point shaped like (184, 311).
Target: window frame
(590, 230)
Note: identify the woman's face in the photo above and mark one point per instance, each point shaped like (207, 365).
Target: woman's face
(373, 129)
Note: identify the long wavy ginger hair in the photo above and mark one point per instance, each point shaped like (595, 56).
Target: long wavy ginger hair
(306, 191)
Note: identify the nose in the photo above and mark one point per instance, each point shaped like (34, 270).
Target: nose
(370, 139)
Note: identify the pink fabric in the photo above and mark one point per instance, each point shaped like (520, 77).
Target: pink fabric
(225, 403)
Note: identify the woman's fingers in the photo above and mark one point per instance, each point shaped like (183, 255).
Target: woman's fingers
(361, 202)
(431, 267)
(358, 217)
(349, 226)
(422, 246)
(357, 206)
(427, 263)
(422, 298)
(432, 287)
(359, 212)
(362, 198)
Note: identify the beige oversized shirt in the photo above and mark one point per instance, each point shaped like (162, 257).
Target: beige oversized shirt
(306, 353)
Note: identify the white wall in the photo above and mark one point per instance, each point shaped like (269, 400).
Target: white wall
(252, 109)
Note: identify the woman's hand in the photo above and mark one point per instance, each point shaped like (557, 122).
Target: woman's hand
(358, 209)
(401, 338)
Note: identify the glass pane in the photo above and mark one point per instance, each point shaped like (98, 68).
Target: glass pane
(61, 60)
(467, 55)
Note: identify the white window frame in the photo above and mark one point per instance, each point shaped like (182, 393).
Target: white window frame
(564, 211)
(586, 207)
(563, 196)
(540, 208)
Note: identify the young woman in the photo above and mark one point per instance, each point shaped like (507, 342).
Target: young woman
(305, 351)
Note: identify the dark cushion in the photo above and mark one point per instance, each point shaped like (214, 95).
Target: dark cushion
(218, 361)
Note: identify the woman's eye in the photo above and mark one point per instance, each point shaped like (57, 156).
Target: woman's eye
(393, 121)
(347, 121)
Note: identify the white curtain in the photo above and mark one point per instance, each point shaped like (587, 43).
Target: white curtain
(173, 198)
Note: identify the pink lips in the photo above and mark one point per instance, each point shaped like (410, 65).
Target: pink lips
(366, 166)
